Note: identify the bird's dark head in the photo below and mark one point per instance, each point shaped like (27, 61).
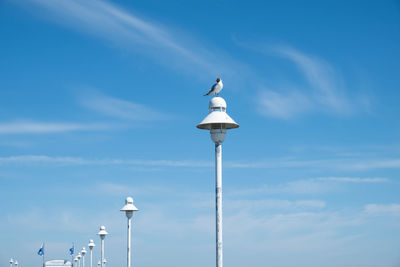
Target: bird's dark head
(218, 80)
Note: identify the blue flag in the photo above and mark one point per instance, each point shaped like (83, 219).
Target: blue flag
(41, 250)
(71, 250)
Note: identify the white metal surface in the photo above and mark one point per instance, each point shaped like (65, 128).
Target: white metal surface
(83, 256)
(218, 201)
(217, 118)
(102, 233)
(91, 245)
(58, 263)
(129, 208)
(218, 121)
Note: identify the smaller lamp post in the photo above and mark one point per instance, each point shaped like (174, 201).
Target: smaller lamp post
(129, 208)
(98, 263)
(83, 251)
(75, 260)
(104, 262)
(79, 259)
(102, 233)
(16, 263)
(91, 245)
(11, 262)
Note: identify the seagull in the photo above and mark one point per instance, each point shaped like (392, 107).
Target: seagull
(216, 88)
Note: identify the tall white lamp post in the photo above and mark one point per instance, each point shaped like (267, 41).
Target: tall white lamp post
(11, 262)
(91, 245)
(83, 256)
(217, 122)
(129, 208)
(16, 263)
(104, 262)
(102, 233)
(79, 256)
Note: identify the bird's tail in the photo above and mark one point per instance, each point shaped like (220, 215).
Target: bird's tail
(207, 94)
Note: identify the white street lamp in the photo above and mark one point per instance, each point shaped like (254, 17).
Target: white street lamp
(102, 233)
(91, 245)
(98, 263)
(79, 259)
(104, 262)
(129, 208)
(11, 262)
(16, 263)
(83, 256)
(75, 260)
(218, 121)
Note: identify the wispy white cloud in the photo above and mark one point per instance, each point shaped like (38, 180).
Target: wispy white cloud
(382, 209)
(124, 28)
(326, 82)
(347, 163)
(271, 204)
(119, 108)
(30, 159)
(308, 186)
(325, 90)
(281, 105)
(353, 179)
(29, 127)
(274, 163)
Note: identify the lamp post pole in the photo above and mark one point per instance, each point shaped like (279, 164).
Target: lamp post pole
(11, 262)
(83, 256)
(79, 256)
(218, 121)
(16, 263)
(75, 260)
(129, 208)
(91, 245)
(102, 233)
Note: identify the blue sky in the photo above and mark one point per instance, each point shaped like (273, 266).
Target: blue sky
(99, 100)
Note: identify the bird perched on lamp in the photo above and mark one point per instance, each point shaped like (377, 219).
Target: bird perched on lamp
(216, 88)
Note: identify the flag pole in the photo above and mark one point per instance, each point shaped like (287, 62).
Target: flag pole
(43, 255)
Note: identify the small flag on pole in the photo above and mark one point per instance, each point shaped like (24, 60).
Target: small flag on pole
(41, 250)
(71, 250)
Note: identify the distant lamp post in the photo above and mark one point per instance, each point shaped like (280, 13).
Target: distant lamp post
(102, 233)
(11, 262)
(129, 208)
(83, 251)
(217, 122)
(79, 256)
(75, 260)
(98, 263)
(91, 245)
(16, 263)
(104, 262)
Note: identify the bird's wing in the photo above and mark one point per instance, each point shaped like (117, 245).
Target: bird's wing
(212, 89)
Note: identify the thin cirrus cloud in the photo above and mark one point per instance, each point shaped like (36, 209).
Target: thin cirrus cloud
(354, 165)
(119, 108)
(352, 179)
(308, 186)
(382, 209)
(34, 127)
(325, 89)
(112, 23)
